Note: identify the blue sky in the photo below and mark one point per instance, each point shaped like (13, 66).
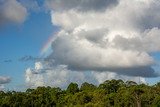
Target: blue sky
(17, 41)
(74, 26)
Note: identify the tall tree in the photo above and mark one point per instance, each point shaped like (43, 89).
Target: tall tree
(72, 88)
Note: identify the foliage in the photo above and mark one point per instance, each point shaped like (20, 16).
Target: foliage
(111, 93)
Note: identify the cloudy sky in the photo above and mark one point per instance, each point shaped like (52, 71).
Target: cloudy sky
(55, 42)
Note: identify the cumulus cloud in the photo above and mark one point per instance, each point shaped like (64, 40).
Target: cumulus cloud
(12, 11)
(112, 39)
(115, 40)
(81, 54)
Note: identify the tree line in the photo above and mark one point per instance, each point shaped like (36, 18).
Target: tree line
(111, 93)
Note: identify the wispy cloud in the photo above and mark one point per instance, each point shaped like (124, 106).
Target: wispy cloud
(7, 61)
(30, 58)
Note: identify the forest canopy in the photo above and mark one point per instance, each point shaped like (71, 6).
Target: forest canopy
(111, 93)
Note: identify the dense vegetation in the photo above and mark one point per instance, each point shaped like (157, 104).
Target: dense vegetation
(111, 93)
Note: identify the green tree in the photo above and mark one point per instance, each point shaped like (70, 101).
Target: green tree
(137, 91)
(111, 93)
(72, 88)
(87, 87)
(111, 85)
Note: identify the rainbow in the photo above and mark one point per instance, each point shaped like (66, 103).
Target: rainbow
(46, 48)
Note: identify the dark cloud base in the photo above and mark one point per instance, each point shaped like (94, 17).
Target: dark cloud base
(81, 5)
(133, 71)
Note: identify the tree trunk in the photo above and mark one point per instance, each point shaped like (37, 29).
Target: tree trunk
(138, 100)
(138, 103)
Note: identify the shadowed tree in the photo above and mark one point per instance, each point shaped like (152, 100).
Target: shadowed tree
(136, 93)
(111, 85)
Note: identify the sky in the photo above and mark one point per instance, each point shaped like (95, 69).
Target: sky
(53, 43)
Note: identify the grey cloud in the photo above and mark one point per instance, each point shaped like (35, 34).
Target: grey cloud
(30, 58)
(12, 11)
(96, 35)
(146, 71)
(150, 18)
(81, 5)
(148, 41)
(138, 71)
(39, 71)
(127, 43)
(7, 61)
(4, 80)
(26, 58)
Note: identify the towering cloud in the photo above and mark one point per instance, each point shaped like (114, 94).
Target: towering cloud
(12, 11)
(106, 37)
(116, 39)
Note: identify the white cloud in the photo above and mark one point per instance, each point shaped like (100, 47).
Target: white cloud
(32, 79)
(57, 76)
(60, 76)
(102, 76)
(128, 17)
